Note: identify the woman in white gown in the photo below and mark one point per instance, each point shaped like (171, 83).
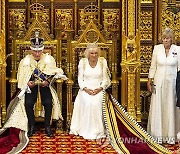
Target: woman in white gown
(97, 115)
(163, 115)
(87, 120)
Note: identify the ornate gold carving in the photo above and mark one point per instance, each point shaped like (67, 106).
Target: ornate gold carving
(88, 13)
(131, 17)
(111, 0)
(36, 8)
(123, 15)
(171, 18)
(111, 20)
(13, 86)
(146, 1)
(59, 89)
(52, 16)
(64, 19)
(131, 75)
(131, 91)
(91, 36)
(64, 57)
(146, 25)
(76, 16)
(16, 0)
(42, 14)
(145, 56)
(130, 64)
(44, 18)
(69, 103)
(2, 49)
(17, 22)
(156, 20)
(131, 48)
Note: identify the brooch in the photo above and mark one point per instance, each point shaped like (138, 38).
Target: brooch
(174, 53)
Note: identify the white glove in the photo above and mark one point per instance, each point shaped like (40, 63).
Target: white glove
(60, 76)
(23, 90)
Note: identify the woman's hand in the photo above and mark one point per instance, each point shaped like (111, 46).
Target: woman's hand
(93, 92)
(89, 91)
(149, 85)
(31, 84)
(97, 90)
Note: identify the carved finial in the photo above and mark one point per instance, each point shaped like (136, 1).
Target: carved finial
(36, 8)
(91, 9)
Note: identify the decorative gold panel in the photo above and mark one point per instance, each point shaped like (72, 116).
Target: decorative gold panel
(16, 0)
(131, 17)
(146, 25)
(111, 0)
(64, 20)
(64, 57)
(168, 17)
(111, 21)
(17, 22)
(45, 19)
(145, 57)
(88, 13)
(171, 18)
(146, 1)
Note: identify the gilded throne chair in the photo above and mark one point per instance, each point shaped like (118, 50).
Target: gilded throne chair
(21, 49)
(75, 52)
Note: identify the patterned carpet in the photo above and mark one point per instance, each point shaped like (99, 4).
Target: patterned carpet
(69, 144)
(64, 143)
(173, 148)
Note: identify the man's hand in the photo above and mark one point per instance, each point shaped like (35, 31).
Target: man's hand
(31, 84)
(44, 83)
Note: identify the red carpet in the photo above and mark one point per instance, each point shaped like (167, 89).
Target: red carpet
(64, 143)
(173, 148)
(68, 144)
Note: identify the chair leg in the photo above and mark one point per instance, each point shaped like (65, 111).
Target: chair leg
(59, 126)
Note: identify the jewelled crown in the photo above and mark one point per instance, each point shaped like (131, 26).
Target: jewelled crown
(37, 43)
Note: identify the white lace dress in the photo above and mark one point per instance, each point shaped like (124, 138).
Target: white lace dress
(87, 118)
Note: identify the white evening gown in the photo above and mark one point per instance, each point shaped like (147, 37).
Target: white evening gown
(87, 120)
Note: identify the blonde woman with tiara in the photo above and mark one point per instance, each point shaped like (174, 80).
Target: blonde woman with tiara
(92, 79)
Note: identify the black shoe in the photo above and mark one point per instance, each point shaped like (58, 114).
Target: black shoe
(49, 132)
(31, 131)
